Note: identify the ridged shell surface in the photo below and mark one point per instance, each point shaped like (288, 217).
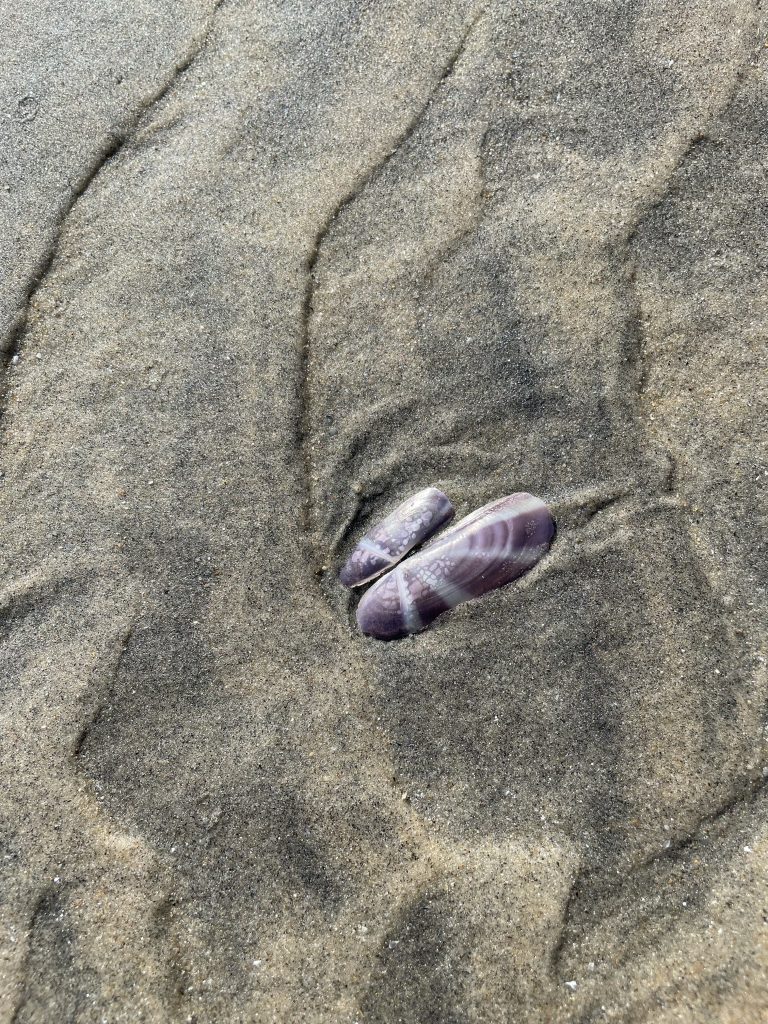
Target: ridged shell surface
(485, 550)
(390, 540)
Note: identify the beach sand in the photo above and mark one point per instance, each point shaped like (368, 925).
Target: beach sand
(269, 268)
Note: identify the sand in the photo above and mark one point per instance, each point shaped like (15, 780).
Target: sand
(268, 268)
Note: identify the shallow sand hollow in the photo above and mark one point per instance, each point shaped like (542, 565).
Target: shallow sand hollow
(267, 270)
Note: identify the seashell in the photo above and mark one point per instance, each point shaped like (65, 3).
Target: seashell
(485, 550)
(392, 538)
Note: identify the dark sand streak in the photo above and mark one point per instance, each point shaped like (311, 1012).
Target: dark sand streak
(13, 343)
(304, 417)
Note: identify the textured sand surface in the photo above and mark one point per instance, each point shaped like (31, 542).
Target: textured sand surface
(269, 267)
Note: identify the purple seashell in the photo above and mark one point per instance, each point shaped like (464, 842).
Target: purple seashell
(392, 538)
(485, 550)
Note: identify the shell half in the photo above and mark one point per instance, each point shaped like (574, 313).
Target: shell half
(390, 540)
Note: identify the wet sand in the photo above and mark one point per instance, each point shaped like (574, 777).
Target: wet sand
(268, 269)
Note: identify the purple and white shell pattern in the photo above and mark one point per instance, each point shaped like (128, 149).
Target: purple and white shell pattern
(485, 550)
(390, 540)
